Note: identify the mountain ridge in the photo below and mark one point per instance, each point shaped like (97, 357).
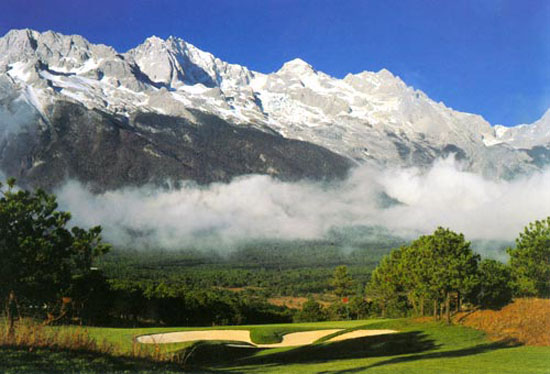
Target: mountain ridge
(369, 117)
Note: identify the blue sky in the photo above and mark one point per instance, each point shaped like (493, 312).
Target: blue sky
(490, 57)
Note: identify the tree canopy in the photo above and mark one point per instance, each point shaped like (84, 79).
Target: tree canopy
(41, 257)
(311, 311)
(493, 289)
(530, 260)
(431, 268)
(342, 281)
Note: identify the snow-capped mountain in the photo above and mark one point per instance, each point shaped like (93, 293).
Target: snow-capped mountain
(165, 91)
(526, 135)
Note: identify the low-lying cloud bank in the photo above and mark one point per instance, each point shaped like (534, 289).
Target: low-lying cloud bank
(260, 207)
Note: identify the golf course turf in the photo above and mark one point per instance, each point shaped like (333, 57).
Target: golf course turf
(415, 348)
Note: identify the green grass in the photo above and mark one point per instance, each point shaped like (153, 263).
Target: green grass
(17, 361)
(274, 333)
(418, 348)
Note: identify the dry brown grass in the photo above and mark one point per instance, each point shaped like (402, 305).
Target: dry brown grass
(288, 301)
(296, 302)
(240, 289)
(30, 335)
(524, 320)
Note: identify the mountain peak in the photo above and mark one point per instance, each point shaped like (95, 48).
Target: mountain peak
(296, 65)
(50, 48)
(173, 38)
(172, 43)
(153, 39)
(385, 73)
(19, 40)
(22, 33)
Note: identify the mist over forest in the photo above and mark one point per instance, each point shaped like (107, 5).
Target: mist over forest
(403, 202)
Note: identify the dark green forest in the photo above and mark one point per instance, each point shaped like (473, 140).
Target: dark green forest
(174, 287)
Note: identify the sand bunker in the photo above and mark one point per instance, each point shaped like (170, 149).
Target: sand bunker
(360, 334)
(189, 336)
(289, 340)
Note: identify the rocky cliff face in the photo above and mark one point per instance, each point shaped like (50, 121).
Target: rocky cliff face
(166, 111)
(108, 152)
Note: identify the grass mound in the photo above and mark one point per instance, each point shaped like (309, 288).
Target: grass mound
(31, 335)
(68, 341)
(272, 335)
(525, 320)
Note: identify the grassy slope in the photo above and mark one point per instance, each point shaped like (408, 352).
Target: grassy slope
(418, 348)
(43, 361)
(526, 320)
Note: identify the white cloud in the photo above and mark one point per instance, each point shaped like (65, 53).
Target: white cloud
(259, 207)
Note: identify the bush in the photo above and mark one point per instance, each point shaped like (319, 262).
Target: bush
(494, 289)
(339, 311)
(311, 311)
(360, 308)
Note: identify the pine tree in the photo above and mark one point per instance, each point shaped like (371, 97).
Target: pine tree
(530, 260)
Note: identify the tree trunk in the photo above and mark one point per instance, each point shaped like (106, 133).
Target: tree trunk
(11, 311)
(435, 310)
(414, 305)
(422, 306)
(457, 302)
(448, 307)
(11, 325)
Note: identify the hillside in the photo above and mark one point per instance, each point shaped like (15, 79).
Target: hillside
(525, 320)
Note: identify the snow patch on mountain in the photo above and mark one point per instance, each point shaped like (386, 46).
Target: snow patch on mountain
(526, 135)
(367, 117)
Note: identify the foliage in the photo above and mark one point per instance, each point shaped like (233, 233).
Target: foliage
(342, 281)
(357, 308)
(530, 260)
(494, 289)
(41, 257)
(259, 274)
(311, 311)
(339, 311)
(137, 303)
(360, 308)
(386, 287)
(431, 268)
